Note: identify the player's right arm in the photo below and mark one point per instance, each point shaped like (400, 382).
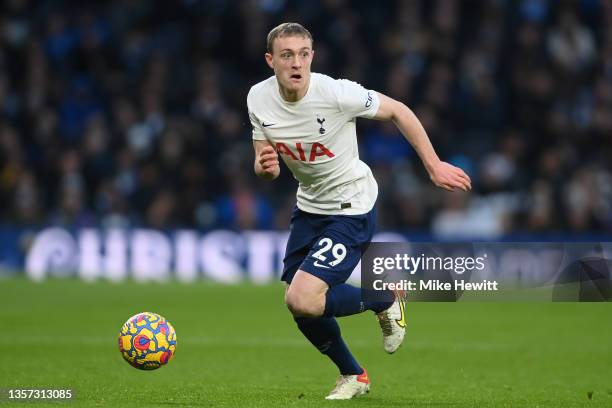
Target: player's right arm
(266, 160)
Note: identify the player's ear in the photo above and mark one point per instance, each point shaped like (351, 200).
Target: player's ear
(269, 60)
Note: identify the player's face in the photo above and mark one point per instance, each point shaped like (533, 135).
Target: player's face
(290, 59)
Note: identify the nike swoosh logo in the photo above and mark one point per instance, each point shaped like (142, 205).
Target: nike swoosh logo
(401, 322)
(317, 264)
(267, 124)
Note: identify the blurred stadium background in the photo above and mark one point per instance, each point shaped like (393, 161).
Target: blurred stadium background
(131, 114)
(125, 151)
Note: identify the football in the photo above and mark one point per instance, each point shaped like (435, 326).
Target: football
(147, 341)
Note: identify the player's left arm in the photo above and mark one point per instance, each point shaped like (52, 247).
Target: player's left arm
(442, 174)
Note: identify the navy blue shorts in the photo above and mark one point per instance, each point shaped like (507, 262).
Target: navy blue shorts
(327, 246)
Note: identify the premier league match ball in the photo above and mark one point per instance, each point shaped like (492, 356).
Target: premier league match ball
(147, 341)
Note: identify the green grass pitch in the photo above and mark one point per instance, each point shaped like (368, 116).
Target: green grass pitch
(238, 347)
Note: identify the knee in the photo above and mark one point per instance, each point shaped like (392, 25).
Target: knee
(304, 305)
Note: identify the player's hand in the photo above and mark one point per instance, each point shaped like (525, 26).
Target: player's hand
(268, 162)
(449, 177)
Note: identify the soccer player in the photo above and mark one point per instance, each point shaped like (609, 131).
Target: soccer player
(309, 120)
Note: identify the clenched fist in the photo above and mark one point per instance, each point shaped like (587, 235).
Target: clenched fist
(266, 165)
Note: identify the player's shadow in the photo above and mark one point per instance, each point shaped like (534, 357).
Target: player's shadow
(369, 401)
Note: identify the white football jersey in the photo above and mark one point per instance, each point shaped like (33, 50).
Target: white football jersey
(317, 140)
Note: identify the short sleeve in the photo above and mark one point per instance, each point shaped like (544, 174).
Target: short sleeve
(258, 133)
(257, 129)
(355, 100)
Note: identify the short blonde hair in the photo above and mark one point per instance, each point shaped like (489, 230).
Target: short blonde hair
(287, 30)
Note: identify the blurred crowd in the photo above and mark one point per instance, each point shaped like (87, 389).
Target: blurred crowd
(133, 112)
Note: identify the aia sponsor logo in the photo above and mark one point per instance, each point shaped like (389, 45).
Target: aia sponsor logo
(304, 153)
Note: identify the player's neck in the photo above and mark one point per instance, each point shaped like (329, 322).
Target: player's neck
(291, 95)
